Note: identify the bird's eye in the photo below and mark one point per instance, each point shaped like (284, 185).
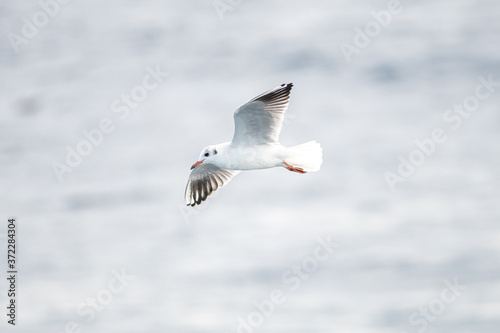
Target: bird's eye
(215, 151)
(206, 154)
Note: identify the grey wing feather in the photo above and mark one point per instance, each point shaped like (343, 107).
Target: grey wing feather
(204, 180)
(259, 121)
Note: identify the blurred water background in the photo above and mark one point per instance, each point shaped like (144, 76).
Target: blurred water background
(119, 212)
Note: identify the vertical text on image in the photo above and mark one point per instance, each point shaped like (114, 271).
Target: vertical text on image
(12, 264)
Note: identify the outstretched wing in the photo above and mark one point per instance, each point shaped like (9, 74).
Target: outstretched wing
(205, 179)
(260, 120)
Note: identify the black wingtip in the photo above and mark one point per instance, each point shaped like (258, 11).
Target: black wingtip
(286, 87)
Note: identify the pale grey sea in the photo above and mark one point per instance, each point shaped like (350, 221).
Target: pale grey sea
(105, 105)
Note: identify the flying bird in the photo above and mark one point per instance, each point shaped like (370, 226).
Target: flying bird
(257, 125)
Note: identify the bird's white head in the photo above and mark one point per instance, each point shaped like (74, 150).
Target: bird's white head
(208, 155)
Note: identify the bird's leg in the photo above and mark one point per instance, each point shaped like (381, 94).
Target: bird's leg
(294, 169)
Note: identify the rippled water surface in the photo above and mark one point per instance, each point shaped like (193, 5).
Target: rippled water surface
(398, 231)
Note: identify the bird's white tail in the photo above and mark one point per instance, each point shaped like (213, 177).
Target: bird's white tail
(307, 156)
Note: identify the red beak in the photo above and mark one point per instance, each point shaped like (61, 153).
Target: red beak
(196, 164)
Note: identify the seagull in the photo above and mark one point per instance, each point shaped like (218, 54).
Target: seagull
(257, 125)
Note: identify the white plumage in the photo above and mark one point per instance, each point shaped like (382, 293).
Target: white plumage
(254, 146)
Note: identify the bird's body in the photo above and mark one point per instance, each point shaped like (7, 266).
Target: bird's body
(261, 156)
(254, 146)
